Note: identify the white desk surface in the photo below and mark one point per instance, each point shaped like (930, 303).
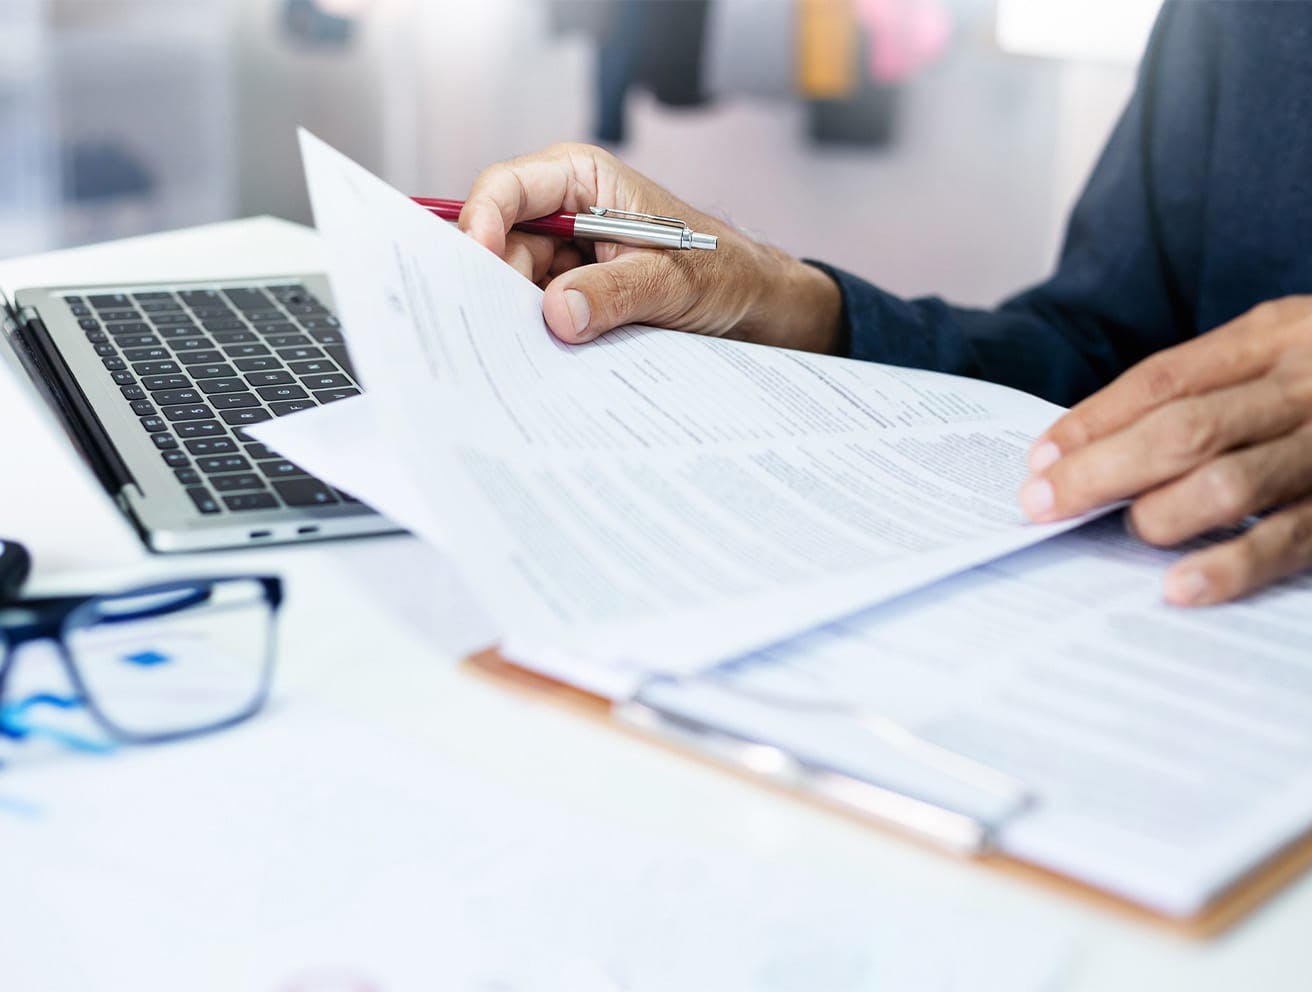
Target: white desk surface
(394, 662)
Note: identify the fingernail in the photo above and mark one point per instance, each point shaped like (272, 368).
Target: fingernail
(1037, 498)
(579, 311)
(1186, 588)
(1043, 455)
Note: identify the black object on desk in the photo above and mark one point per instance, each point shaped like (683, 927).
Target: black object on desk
(15, 563)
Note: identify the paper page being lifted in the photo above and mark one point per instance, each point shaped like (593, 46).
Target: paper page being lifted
(656, 499)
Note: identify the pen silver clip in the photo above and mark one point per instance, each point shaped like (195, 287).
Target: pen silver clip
(628, 227)
(634, 215)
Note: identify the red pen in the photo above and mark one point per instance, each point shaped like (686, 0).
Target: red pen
(621, 227)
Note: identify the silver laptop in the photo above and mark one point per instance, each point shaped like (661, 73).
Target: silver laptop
(157, 383)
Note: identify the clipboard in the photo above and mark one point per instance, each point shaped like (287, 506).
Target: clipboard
(852, 799)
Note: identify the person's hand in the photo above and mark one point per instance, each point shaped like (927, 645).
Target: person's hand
(743, 290)
(1202, 435)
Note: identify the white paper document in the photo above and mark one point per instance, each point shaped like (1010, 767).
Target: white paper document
(655, 500)
(1168, 751)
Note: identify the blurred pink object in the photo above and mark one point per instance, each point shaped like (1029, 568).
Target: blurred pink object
(904, 35)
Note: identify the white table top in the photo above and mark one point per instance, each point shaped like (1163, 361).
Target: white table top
(387, 650)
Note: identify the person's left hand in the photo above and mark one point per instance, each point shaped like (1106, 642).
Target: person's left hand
(1200, 436)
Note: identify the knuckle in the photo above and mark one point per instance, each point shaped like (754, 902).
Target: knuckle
(1297, 536)
(1159, 378)
(1194, 430)
(1227, 489)
(1151, 526)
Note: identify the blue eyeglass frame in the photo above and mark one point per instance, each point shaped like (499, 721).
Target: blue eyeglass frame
(51, 618)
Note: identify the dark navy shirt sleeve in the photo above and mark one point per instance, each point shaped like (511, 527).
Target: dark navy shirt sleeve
(1118, 293)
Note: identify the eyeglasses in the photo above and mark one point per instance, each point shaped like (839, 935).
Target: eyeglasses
(148, 665)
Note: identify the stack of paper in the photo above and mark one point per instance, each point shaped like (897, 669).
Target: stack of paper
(656, 500)
(660, 503)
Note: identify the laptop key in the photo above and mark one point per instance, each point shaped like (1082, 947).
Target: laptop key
(136, 341)
(300, 354)
(114, 364)
(132, 392)
(153, 425)
(143, 408)
(176, 459)
(281, 469)
(324, 323)
(146, 354)
(155, 368)
(164, 442)
(257, 451)
(278, 378)
(284, 407)
(269, 316)
(103, 300)
(246, 350)
(333, 381)
(237, 418)
(232, 385)
(304, 492)
(110, 315)
(257, 364)
(194, 411)
(280, 326)
(337, 353)
(233, 483)
(327, 337)
(223, 463)
(106, 350)
(190, 344)
(205, 503)
(206, 357)
(281, 392)
(158, 306)
(178, 331)
(162, 294)
(233, 401)
(168, 397)
(170, 319)
(124, 379)
(201, 297)
(333, 395)
(211, 446)
(131, 327)
(219, 371)
(286, 340)
(320, 366)
(199, 428)
(157, 382)
(247, 299)
(229, 331)
(250, 501)
(97, 337)
(187, 476)
(91, 324)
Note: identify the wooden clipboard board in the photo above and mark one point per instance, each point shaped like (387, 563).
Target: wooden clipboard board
(1223, 912)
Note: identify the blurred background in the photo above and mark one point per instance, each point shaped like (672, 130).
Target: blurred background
(930, 145)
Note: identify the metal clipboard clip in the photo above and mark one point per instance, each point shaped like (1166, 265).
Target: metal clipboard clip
(956, 829)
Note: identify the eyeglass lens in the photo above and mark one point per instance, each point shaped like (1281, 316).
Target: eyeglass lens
(174, 661)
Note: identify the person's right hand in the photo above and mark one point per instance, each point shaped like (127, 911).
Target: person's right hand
(744, 289)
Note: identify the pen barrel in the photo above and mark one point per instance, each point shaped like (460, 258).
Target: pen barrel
(626, 231)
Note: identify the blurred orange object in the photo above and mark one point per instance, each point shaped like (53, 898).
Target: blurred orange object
(827, 66)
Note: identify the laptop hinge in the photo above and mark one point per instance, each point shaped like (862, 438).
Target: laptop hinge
(44, 365)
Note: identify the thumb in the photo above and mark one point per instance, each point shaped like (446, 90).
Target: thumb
(634, 287)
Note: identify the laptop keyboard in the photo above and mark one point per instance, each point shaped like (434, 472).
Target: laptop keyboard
(197, 366)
